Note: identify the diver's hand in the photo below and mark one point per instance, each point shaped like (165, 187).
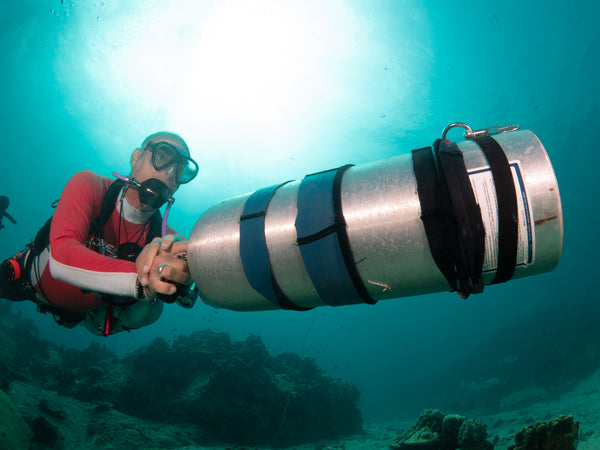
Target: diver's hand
(146, 257)
(161, 262)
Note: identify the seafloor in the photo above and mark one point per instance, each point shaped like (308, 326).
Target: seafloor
(79, 412)
(121, 431)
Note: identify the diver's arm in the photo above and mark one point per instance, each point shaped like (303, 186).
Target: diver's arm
(70, 260)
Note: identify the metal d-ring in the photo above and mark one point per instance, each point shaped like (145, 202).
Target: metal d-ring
(455, 125)
(470, 134)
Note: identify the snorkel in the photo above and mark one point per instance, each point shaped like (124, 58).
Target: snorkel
(153, 193)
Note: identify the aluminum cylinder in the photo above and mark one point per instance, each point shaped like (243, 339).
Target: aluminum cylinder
(382, 213)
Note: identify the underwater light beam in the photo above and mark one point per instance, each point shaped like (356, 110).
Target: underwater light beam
(255, 88)
(259, 70)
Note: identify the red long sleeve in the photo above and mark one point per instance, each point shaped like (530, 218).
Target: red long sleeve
(74, 269)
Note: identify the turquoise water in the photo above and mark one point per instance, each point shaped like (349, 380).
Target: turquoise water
(267, 91)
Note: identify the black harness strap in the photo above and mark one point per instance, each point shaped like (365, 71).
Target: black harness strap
(109, 202)
(451, 216)
(467, 215)
(439, 228)
(508, 213)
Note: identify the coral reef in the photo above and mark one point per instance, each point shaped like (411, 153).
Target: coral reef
(231, 392)
(237, 391)
(559, 434)
(435, 430)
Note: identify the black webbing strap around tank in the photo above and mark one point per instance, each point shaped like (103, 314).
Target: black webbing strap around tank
(254, 252)
(467, 215)
(457, 242)
(508, 212)
(323, 240)
(437, 221)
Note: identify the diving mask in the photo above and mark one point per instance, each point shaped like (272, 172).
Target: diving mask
(169, 158)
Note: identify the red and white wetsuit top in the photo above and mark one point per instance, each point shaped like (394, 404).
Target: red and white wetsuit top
(75, 270)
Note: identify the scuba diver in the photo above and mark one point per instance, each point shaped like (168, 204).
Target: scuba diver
(4, 202)
(106, 257)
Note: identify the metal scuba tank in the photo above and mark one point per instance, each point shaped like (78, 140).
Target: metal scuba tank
(358, 233)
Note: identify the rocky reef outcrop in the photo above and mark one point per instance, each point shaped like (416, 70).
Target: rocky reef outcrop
(231, 392)
(558, 434)
(435, 430)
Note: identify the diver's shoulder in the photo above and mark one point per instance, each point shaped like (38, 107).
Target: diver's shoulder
(90, 177)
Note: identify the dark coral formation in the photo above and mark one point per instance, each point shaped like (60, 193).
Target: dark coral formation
(232, 392)
(558, 434)
(435, 430)
(238, 391)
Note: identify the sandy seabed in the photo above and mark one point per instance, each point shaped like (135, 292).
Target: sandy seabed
(583, 403)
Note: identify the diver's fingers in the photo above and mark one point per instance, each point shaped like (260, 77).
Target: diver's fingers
(174, 274)
(166, 242)
(163, 287)
(179, 250)
(165, 276)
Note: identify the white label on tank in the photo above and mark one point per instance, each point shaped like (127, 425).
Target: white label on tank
(485, 193)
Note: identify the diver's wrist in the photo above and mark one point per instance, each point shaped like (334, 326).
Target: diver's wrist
(142, 292)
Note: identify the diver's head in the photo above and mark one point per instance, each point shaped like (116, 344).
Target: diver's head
(164, 157)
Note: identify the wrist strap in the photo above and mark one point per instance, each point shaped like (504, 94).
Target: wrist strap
(140, 291)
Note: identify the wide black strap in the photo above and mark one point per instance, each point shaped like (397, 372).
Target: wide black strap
(439, 225)
(508, 211)
(254, 252)
(155, 227)
(109, 200)
(451, 216)
(467, 215)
